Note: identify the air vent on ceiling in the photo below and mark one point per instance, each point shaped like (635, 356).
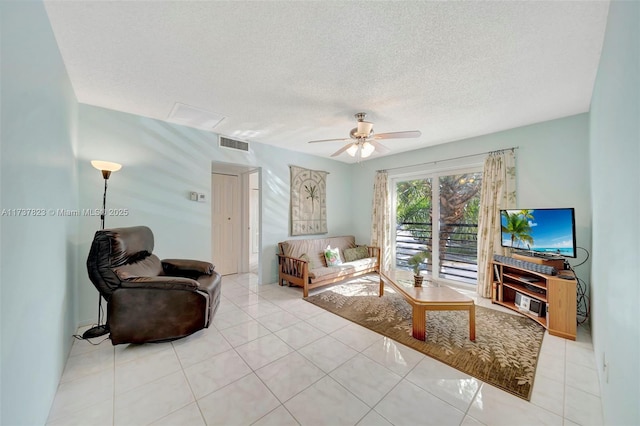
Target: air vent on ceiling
(194, 117)
(234, 144)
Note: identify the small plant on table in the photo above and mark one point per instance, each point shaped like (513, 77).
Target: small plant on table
(414, 262)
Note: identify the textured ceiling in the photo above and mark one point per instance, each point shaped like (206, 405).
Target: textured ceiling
(284, 73)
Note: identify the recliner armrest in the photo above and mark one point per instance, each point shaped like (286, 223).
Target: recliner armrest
(189, 267)
(161, 283)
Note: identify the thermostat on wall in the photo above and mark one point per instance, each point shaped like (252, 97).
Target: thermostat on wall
(197, 196)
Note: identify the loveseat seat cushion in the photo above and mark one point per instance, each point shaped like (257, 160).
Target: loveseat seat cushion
(347, 268)
(330, 272)
(362, 264)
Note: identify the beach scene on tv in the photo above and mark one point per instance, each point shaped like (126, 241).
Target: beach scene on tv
(548, 231)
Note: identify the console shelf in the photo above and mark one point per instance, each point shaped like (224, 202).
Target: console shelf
(558, 295)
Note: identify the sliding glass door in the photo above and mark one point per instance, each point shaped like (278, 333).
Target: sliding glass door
(414, 230)
(451, 241)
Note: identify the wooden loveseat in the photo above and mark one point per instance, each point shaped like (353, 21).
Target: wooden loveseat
(302, 262)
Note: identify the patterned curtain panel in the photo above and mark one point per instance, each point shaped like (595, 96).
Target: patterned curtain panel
(380, 218)
(498, 192)
(308, 201)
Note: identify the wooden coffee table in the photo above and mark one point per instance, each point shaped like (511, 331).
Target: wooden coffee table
(428, 298)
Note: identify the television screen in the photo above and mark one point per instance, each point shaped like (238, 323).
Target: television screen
(549, 231)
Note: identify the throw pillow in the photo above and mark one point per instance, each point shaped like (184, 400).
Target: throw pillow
(356, 253)
(305, 256)
(350, 254)
(332, 256)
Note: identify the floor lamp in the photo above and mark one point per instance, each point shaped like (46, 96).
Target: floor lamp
(106, 168)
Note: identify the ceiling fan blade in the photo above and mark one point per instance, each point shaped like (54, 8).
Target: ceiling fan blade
(328, 140)
(379, 147)
(399, 135)
(341, 150)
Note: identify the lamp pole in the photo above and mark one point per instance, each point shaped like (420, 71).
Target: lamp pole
(106, 168)
(105, 175)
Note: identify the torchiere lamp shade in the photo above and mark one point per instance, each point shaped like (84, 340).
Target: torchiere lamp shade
(106, 167)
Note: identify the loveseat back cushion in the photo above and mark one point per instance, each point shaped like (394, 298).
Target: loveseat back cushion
(314, 248)
(150, 266)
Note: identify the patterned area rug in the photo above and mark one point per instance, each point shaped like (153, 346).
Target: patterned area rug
(505, 353)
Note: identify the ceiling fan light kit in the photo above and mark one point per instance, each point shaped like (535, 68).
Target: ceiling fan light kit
(363, 149)
(363, 141)
(352, 149)
(367, 149)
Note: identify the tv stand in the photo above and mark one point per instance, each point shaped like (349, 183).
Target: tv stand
(559, 295)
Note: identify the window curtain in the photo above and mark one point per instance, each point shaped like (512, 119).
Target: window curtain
(498, 191)
(380, 218)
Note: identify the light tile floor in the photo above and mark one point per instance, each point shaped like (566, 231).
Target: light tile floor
(271, 358)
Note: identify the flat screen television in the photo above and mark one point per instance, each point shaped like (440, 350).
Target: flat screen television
(546, 231)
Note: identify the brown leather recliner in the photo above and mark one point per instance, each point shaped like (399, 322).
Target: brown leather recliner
(149, 300)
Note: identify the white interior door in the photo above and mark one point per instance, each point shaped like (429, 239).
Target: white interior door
(225, 214)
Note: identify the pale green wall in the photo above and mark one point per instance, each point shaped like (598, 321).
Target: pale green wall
(552, 171)
(37, 171)
(162, 162)
(615, 183)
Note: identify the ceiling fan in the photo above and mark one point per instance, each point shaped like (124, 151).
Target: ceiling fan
(363, 141)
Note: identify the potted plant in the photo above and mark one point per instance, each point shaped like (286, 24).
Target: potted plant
(415, 261)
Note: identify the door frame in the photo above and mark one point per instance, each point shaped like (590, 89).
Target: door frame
(245, 223)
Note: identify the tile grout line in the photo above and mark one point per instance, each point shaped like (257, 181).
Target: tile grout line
(195, 399)
(296, 351)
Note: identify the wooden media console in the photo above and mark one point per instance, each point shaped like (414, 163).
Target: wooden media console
(558, 294)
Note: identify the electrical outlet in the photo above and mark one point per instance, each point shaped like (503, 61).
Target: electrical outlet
(201, 197)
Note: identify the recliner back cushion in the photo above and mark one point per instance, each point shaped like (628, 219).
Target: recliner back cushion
(148, 267)
(112, 248)
(129, 245)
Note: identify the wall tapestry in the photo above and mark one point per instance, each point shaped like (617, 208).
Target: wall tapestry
(308, 201)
